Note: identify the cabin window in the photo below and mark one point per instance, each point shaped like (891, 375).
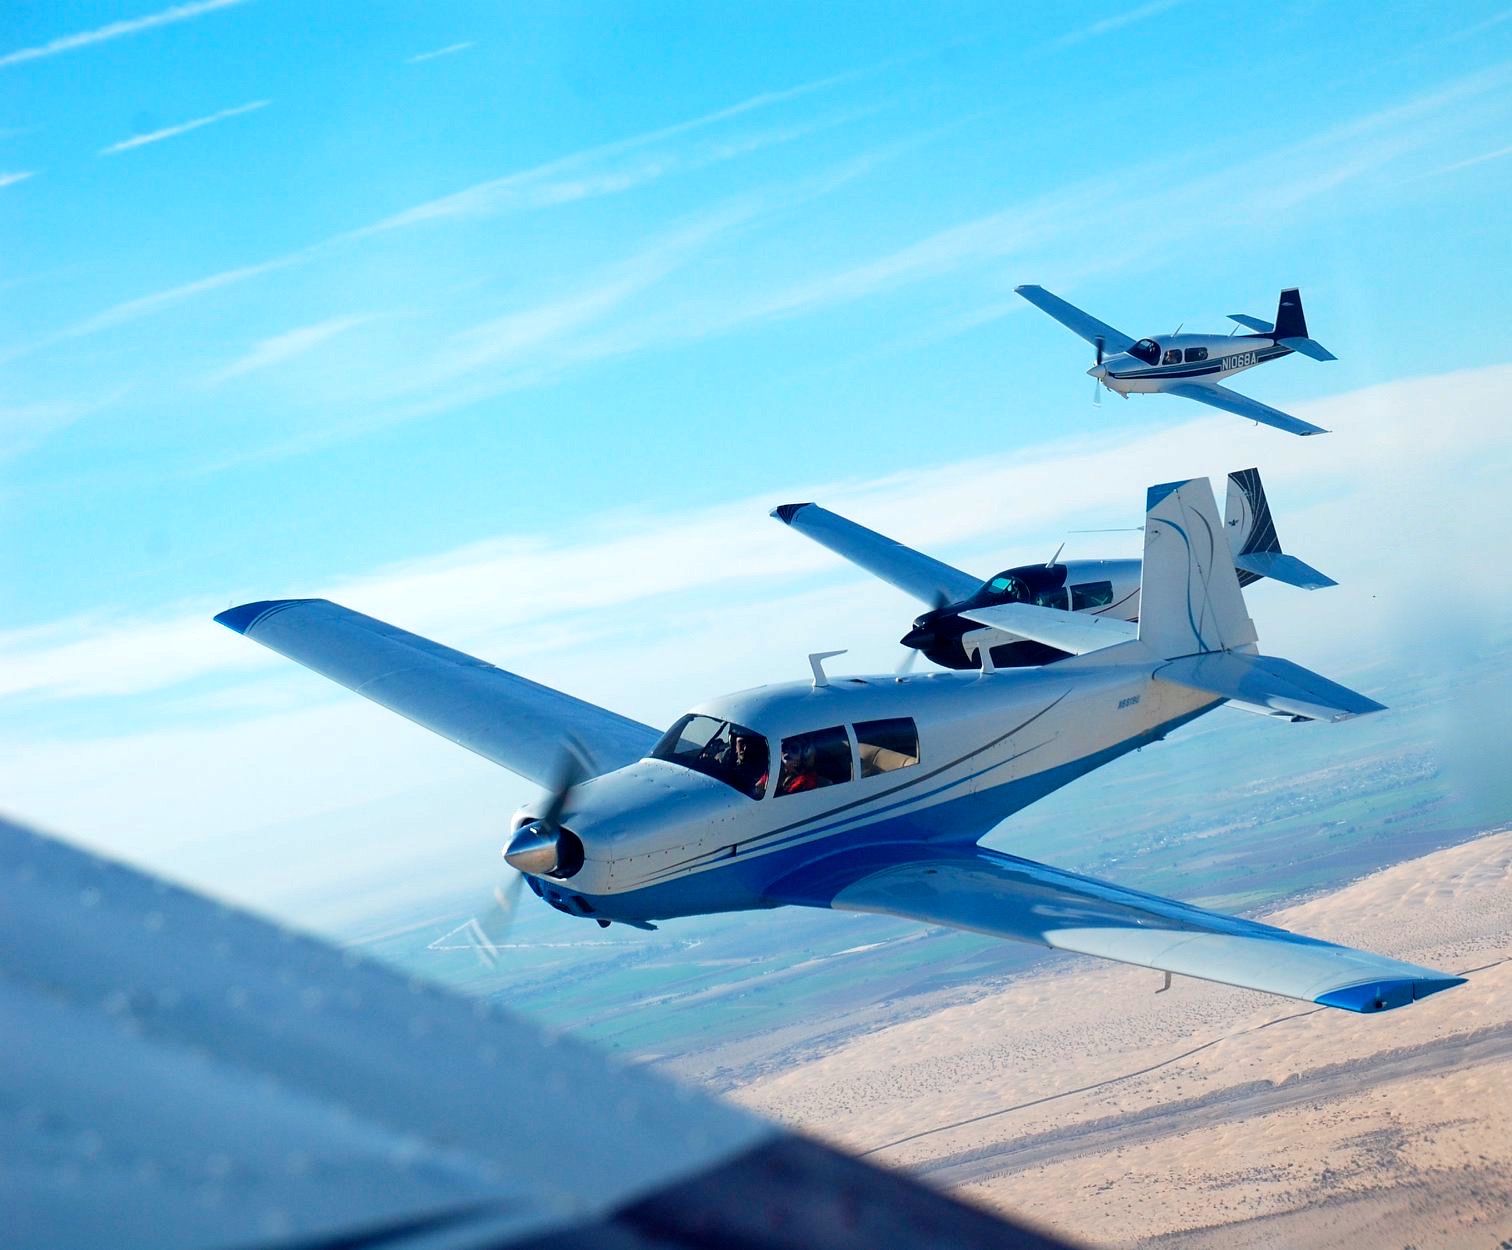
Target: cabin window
(812, 761)
(1051, 598)
(887, 745)
(1194, 354)
(1006, 588)
(1091, 595)
(720, 749)
(1147, 350)
(1172, 356)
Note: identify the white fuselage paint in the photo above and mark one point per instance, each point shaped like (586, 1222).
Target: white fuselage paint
(1226, 356)
(654, 822)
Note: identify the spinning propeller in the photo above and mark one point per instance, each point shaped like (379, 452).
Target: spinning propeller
(920, 636)
(1097, 382)
(538, 847)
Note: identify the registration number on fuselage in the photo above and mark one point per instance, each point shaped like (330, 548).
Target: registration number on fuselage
(1129, 702)
(1241, 360)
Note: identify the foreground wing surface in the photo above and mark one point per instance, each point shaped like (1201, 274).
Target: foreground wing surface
(912, 572)
(181, 1075)
(1242, 406)
(515, 723)
(990, 892)
(1072, 317)
(1076, 632)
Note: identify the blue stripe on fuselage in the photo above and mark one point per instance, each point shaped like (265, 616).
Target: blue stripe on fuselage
(778, 877)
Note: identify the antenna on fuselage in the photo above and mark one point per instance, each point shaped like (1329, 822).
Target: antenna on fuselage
(816, 662)
(1050, 563)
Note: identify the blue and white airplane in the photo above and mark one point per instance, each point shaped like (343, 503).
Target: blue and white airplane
(962, 628)
(871, 794)
(1192, 365)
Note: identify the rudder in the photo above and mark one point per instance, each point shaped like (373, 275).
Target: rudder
(1189, 600)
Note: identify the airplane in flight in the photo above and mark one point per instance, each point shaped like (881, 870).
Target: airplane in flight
(182, 1075)
(960, 625)
(1191, 365)
(871, 794)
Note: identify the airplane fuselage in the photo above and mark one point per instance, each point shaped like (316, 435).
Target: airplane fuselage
(1154, 365)
(661, 839)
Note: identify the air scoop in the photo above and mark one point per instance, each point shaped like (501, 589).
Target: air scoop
(542, 851)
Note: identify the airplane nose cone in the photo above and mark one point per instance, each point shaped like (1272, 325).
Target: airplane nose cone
(1098, 371)
(541, 851)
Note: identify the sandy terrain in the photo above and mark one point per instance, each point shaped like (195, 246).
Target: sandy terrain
(1208, 1116)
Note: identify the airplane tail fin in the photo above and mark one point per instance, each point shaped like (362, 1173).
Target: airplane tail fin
(1189, 597)
(1253, 541)
(1192, 614)
(1291, 327)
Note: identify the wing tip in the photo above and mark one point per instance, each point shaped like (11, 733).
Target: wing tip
(785, 512)
(244, 616)
(1372, 996)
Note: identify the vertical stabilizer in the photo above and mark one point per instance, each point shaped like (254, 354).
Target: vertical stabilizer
(1291, 322)
(1252, 537)
(1189, 597)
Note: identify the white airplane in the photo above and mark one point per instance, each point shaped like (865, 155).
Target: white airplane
(1191, 365)
(960, 624)
(871, 793)
(181, 1075)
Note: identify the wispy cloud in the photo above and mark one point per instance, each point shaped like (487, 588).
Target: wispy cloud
(10, 180)
(286, 346)
(1117, 22)
(449, 50)
(116, 30)
(1497, 155)
(172, 132)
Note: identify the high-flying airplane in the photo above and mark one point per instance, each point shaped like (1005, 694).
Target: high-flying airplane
(962, 624)
(181, 1075)
(1191, 365)
(871, 793)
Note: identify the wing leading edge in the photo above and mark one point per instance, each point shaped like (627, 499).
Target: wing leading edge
(518, 724)
(989, 892)
(1216, 396)
(1075, 320)
(925, 578)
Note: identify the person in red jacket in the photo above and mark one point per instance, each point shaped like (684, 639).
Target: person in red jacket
(798, 770)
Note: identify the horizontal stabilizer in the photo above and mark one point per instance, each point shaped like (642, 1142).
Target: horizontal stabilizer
(925, 578)
(1308, 347)
(1267, 684)
(1283, 568)
(1076, 632)
(1252, 323)
(989, 892)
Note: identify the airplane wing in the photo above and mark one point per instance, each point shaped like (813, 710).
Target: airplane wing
(1216, 396)
(1076, 632)
(515, 723)
(1252, 323)
(989, 892)
(912, 572)
(1072, 317)
(181, 1075)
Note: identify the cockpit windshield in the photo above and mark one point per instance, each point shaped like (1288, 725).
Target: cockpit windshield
(1147, 350)
(720, 749)
(1006, 588)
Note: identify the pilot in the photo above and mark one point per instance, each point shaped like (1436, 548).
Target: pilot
(748, 763)
(799, 772)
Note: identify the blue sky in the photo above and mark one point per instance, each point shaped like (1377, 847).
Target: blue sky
(510, 324)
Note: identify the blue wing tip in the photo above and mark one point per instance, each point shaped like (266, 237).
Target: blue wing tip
(1385, 995)
(246, 615)
(787, 511)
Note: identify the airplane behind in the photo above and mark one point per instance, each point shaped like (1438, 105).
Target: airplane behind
(1192, 365)
(961, 631)
(873, 793)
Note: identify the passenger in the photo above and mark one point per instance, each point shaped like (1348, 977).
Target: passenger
(798, 769)
(748, 763)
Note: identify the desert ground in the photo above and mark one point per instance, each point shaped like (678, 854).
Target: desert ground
(1204, 1116)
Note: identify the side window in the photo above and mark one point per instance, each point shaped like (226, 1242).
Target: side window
(1172, 356)
(1091, 595)
(886, 745)
(1195, 353)
(814, 760)
(1051, 598)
